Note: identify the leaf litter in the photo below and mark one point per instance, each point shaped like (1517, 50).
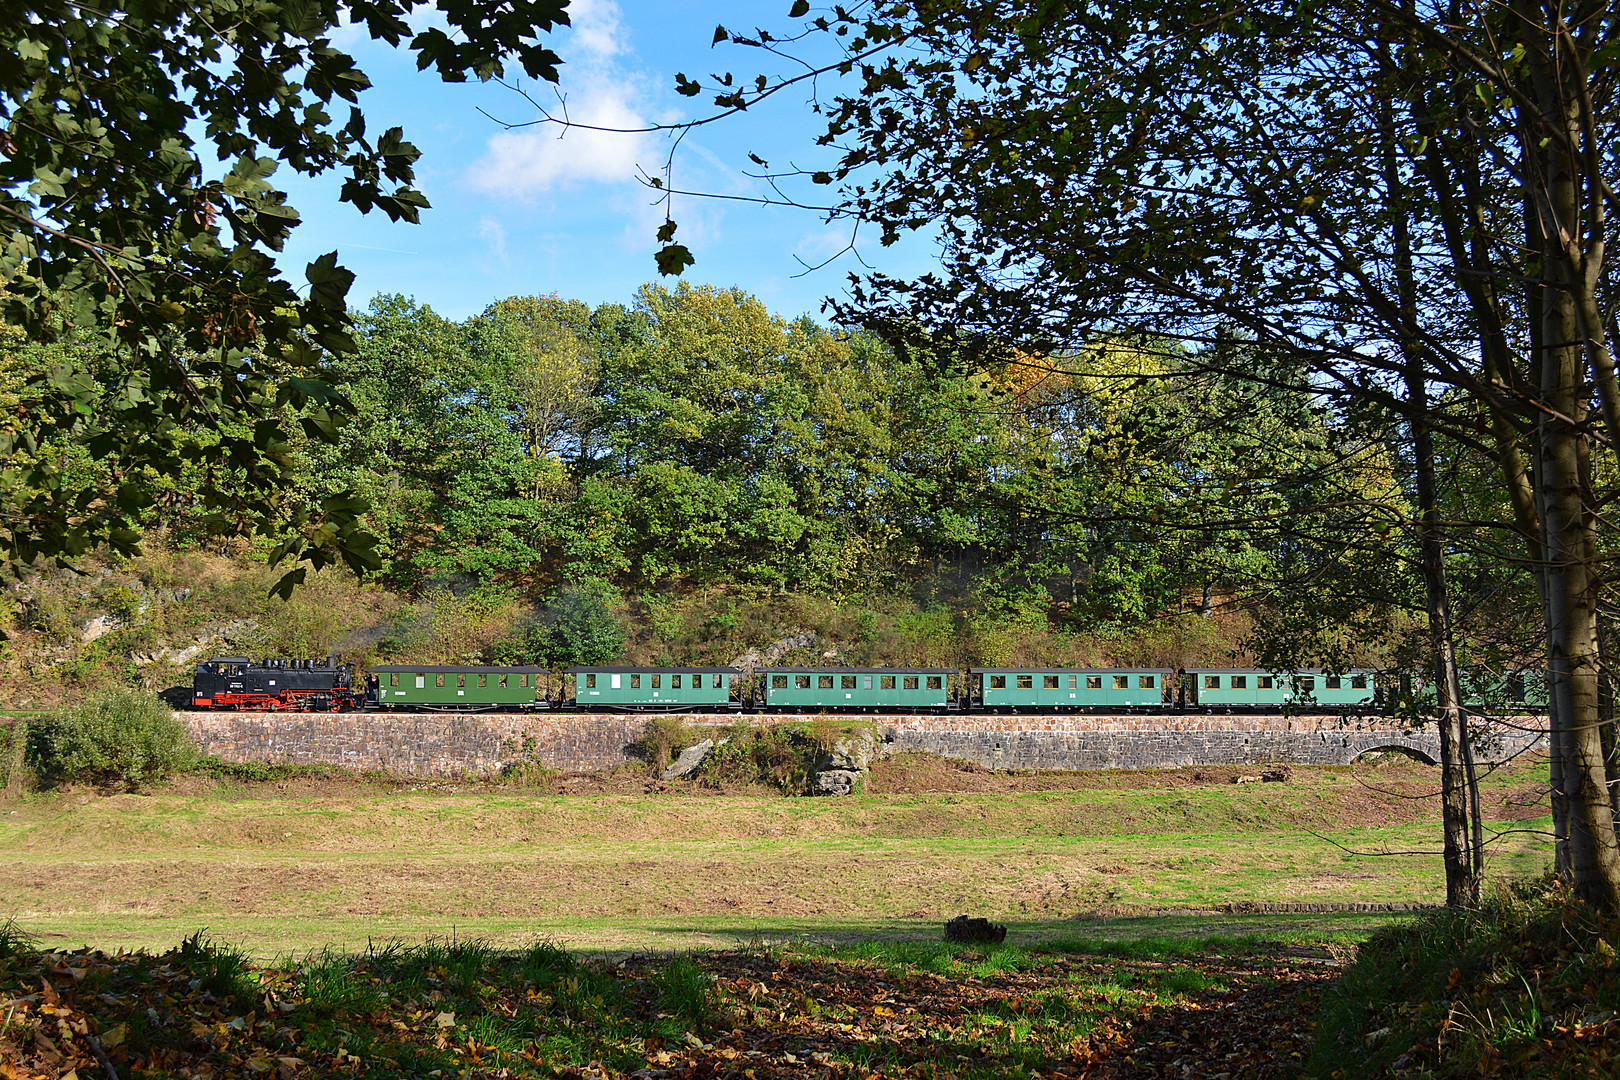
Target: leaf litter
(450, 1008)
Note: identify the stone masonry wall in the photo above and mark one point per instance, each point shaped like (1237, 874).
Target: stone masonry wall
(447, 744)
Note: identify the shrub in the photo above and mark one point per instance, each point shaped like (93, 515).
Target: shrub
(1521, 986)
(117, 736)
(784, 758)
(665, 737)
(578, 628)
(583, 630)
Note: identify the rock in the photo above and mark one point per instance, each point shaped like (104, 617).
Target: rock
(97, 627)
(688, 761)
(834, 782)
(777, 649)
(1245, 779)
(1277, 774)
(179, 595)
(963, 928)
(854, 751)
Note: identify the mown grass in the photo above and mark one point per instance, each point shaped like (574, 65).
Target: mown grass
(322, 862)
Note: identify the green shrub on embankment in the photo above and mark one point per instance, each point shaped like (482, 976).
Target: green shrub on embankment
(1525, 986)
(115, 737)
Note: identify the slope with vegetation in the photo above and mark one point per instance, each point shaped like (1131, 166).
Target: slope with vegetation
(689, 479)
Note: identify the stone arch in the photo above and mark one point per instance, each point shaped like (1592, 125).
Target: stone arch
(1416, 753)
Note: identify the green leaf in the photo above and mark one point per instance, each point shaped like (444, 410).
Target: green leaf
(799, 9)
(289, 581)
(673, 259)
(719, 36)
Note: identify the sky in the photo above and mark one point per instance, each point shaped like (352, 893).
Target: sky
(539, 209)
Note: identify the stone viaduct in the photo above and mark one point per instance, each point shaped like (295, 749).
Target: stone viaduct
(449, 744)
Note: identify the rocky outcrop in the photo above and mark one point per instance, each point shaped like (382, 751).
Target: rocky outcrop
(755, 658)
(851, 754)
(689, 761)
(207, 642)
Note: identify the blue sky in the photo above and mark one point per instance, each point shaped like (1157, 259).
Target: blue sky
(542, 210)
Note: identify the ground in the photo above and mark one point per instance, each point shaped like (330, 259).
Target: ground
(623, 863)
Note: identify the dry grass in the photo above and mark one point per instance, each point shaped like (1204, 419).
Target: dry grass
(321, 862)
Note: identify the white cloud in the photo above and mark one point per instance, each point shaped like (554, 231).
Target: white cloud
(526, 163)
(595, 29)
(601, 88)
(494, 233)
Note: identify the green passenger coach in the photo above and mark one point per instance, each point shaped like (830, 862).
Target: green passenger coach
(653, 688)
(857, 688)
(439, 688)
(1266, 689)
(1068, 688)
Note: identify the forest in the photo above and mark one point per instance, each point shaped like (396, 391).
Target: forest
(687, 475)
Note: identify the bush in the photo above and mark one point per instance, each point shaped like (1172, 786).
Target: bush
(784, 758)
(578, 628)
(1525, 985)
(118, 736)
(665, 737)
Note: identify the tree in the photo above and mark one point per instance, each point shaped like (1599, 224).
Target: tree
(113, 230)
(541, 369)
(1406, 201)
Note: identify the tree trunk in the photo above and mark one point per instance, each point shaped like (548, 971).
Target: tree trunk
(1572, 642)
(1463, 859)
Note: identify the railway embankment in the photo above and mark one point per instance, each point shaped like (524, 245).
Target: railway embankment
(481, 744)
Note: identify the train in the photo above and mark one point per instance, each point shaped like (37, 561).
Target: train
(233, 683)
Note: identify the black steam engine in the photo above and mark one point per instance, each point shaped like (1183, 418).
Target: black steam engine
(236, 682)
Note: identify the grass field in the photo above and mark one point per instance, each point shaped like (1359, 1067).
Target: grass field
(277, 868)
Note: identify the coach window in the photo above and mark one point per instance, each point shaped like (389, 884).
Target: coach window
(503, 682)
(1334, 682)
(483, 680)
(1358, 682)
(848, 682)
(801, 682)
(1026, 682)
(1074, 682)
(866, 682)
(1093, 682)
(657, 681)
(1240, 682)
(674, 682)
(1122, 682)
(461, 680)
(523, 680)
(1306, 684)
(421, 682)
(911, 682)
(590, 682)
(1144, 682)
(823, 682)
(997, 682)
(778, 682)
(697, 682)
(1265, 682)
(438, 680)
(1212, 682)
(886, 682)
(635, 682)
(936, 682)
(393, 678)
(1049, 682)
